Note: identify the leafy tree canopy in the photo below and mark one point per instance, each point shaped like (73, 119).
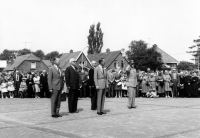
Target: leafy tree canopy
(143, 56)
(184, 65)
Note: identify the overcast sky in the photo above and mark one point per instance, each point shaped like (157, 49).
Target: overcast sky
(61, 25)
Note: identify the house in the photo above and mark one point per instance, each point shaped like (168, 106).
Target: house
(47, 63)
(81, 59)
(26, 63)
(113, 59)
(167, 59)
(3, 64)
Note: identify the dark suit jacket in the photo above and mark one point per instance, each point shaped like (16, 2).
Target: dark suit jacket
(91, 77)
(55, 80)
(72, 78)
(14, 79)
(43, 79)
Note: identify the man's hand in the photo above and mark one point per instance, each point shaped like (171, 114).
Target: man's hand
(51, 90)
(97, 87)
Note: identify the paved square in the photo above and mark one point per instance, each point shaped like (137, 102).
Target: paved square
(159, 118)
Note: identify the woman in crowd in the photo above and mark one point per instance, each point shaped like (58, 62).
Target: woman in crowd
(145, 84)
(118, 84)
(167, 81)
(36, 80)
(11, 87)
(194, 84)
(30, 84)
(181, 85)
(187, 84)
(160, 83)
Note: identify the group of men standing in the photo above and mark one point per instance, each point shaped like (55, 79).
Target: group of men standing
(98, 83)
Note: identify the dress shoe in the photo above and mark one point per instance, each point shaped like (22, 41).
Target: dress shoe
(59, 115)
(129, 107)
(54, 116)
(135, 106)
(103, 113)
(99, 113)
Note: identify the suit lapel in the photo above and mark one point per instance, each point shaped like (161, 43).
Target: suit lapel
(56, 70)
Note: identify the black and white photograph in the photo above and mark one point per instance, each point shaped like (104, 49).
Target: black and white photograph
(99, 68)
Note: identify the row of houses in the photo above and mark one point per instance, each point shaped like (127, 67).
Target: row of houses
(113, 59)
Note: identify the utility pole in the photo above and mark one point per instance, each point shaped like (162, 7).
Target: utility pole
(26, 43)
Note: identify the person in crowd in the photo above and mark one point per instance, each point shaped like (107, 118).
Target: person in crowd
(194, 84)
(160, 83)
(11, 87)
(152, 82)
(4, 89)
(175, 80)
(101, 83)
(118, 84)
(73, 84)
(84, 79)
(44, 85)
(187, 84)
(91, 83)
(23, 89)
(36, 80)
(17, 77)
(55, 84)
(181, 85)
(30, 84)
(124, 87)
(131, 84)
(145, 84)
(167, 81)
(111, 83)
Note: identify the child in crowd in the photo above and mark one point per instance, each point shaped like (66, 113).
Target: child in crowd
(11, 87)
(23, 88)
(4, 89)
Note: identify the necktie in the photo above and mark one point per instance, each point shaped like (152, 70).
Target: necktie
(59, 71)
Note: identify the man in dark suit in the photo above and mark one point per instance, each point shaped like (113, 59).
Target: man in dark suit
(44, 85)
(101, 83)
(55, 83)
(93, 91)
(73, 84)
(17, 77)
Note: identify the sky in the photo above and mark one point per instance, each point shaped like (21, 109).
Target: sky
(62, 25)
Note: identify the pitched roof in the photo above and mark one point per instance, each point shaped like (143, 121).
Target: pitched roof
(166, 57)
(109, 57)
(18, 61)
(64, 59)
(47, 63)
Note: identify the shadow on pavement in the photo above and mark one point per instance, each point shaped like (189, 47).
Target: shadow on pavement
(80, 109)
(64, 113)
(106, 111)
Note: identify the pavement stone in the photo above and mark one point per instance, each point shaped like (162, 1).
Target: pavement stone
(154, 118)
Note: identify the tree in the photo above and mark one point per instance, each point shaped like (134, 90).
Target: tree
(144, 57)
(39, 54)
(95, 39)
(52, 55)
(184, 65)
(8, 54)
(196, 52)
(24, 51)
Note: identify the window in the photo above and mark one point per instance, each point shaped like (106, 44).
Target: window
(33, 65)
(116, 64)
(85, 63)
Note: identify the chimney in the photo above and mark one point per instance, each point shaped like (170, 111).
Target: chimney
(71, 51)
(107, 50)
